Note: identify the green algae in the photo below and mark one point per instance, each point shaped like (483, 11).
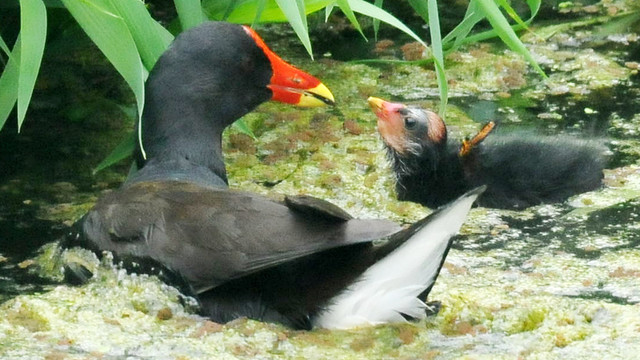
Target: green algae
(526, 310)
(511, 288)
(578, 73)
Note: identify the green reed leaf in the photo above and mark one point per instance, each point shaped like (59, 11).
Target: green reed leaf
(33, 31)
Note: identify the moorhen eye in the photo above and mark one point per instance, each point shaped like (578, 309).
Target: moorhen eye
(410, 122)
(302, 262)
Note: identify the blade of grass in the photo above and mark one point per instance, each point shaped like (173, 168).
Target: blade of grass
(512, 13)
(189, 12)
(165, 34)
(122, 151)
(534, 6)
(53, 4)
(242, 127)
(111, 35)
(244, 11)
(327, 11)
(9, 83)
(376, 22)
(346, 9)
(229, 8)
(506, 33)
(550, 30)
(438, 56)
(372, 11)
(460, 32)
(443, 86)
(485, 35)
(259, 11)
(33, 30)
(98, 7)
(420, 6)
(303, 32)
(4, 47)
(295, 13)
(151, 39)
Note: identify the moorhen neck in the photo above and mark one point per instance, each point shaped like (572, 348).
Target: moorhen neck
(302, 262)
(519, 171)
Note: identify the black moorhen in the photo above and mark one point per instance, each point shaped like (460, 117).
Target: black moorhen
(302, 262)
(207, 79)
(519, 171)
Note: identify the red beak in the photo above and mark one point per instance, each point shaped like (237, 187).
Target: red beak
(291, 85)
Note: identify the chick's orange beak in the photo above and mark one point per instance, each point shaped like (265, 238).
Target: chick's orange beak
(291, 85)
(388, 113)
(390, 123)
(384, 109)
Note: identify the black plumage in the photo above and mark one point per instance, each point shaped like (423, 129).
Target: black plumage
(242, 254)
(211, 236)
(520, 170)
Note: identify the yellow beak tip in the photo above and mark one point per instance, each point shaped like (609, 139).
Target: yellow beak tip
(375, 103)
(317, 96)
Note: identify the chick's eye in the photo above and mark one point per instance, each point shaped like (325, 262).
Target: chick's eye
(409, 122)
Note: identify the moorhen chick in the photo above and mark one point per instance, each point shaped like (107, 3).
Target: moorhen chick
(302, 262)
(519, 171)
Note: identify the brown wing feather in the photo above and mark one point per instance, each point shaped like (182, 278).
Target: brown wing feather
(211, 236)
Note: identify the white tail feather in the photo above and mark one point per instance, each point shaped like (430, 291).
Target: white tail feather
(389, 288)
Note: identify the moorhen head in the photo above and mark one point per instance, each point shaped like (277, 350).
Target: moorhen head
(519, 170)
(208, 78)
(302, 262)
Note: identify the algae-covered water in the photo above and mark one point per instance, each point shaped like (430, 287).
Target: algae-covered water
(553, 281)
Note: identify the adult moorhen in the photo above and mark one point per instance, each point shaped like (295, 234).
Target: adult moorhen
(207, 79)
(519, 171)
(302, 262)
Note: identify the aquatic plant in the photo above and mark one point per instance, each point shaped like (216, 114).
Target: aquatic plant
(132, 40)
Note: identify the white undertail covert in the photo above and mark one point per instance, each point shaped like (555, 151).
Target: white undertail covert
(390, 287)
